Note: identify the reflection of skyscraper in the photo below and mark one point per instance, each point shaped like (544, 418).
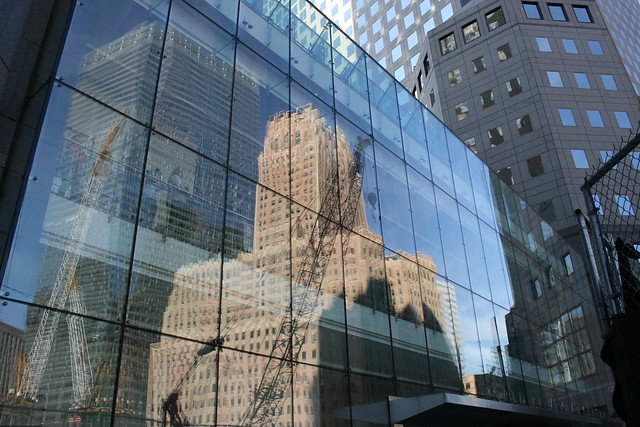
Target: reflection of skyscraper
(370, 280)
(124, 73)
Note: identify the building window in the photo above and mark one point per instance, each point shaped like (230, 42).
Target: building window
(496, 136)
(429, 25)
(504, 52)
(566, 117)
(446, 12)
(635, 159)
(543, 44)
(399, 74)
(495, 19)
(479, 65)
(396, 53)
(595, 119)
(582, 80)
(426, 64)
(376, 26)
(570, 46)
(580, 159)
(623, 119)
(537, 289)
(462, 111)
(582, 14)
(524, 124)
(605, 155)
(471, 143)
(471, 31)
(557, 12)
(391, 13)
(378, 45)
(568, 264)
(420, 81)
(624, 205)
(506, 175)
(412, 40)
(514, 87)
(608, 82)
(487, 99)
(454, 76)
(555, 80)
(595, 47)
(448, 44)
(531, 10)
(432, 97)
(393, 33)
(535, 166)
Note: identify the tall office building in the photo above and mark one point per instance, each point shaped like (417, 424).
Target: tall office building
(623, 21)
(539, 92)
(233, 215)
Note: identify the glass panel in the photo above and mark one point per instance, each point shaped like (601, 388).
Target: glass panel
(460, 168)
(77, 219)
(256, 282)
(384, 108)
(473, 246)
(367, 295)
(260, 120)
(480, 179)
(394, 202)
(224, 13)
(413, 132)
(409, 340)
(318, 289)
(314, 163)
(154, 367)
(321, 397)
(78, 369)
(425, 222)
(494, 252)
(351, 86)
(360, 209)
(264, 26)
(367, 390)
(441, 338)
(439, 153)
(179, 242)
(467, 341)
(116, 60)
(254, 390)
(494, 368)
(311, 50)
(194, 90)
(450, 228)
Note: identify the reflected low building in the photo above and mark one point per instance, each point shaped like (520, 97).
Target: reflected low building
(246, 225)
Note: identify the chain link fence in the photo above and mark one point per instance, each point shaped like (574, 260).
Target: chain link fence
(612, 230)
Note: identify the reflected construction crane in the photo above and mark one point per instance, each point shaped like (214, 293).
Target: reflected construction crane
(307, 286)
(65, 288)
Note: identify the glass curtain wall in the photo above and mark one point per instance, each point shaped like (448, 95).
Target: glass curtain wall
(235, 217)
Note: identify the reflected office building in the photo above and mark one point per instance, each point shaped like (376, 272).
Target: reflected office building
(239, 218)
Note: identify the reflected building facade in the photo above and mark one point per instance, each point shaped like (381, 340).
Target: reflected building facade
(247, 225)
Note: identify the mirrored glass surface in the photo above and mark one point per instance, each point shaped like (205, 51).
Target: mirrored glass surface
(260, 131)
(194, 89)
(393, 196)
(224, 13)
(179, 242)
(116, 60)
(80, 207)
(385, 117)
(69, 375)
